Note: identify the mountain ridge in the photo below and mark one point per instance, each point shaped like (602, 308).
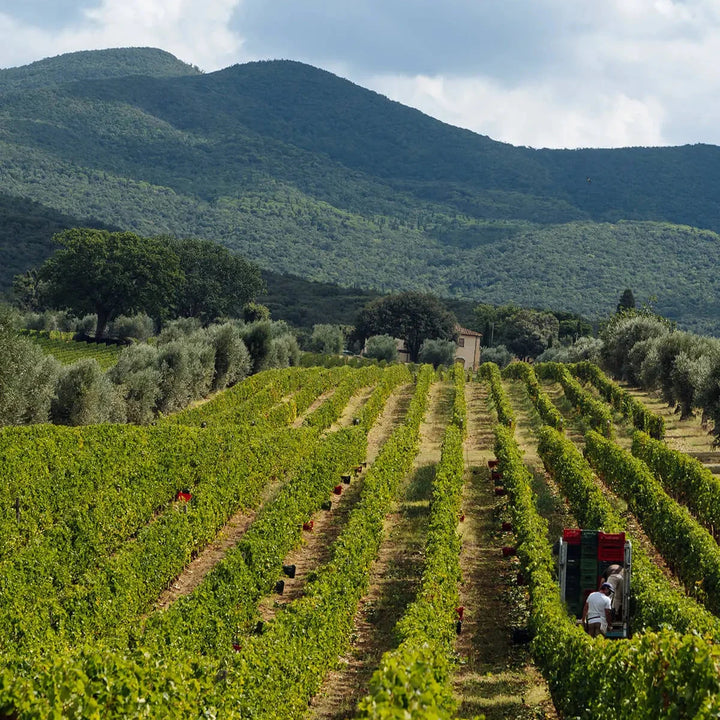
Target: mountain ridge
(308, 173)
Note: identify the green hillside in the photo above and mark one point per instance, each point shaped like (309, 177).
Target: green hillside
(309, 174)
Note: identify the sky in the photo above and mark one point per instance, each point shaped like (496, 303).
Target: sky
(540, 73)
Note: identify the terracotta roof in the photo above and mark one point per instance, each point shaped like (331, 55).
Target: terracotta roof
(464, 331)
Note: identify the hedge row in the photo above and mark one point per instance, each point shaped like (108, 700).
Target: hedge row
(684, 477)
(491, 373)
(545, 407)
(414, 679)
(597, 412)
(176, 666)
(657, 603)
(620, 399)
(277, 673)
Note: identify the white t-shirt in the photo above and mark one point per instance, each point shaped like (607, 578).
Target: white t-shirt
(598, 602)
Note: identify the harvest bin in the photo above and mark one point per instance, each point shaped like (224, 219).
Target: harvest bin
(584, 557)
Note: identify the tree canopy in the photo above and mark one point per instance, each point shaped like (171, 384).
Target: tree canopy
(216, 282)
(412, 316)
(111, 273)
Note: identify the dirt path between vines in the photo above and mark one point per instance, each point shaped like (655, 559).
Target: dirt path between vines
(495, 677)
(394, 576)
(316, 546)
(312, 408)
(212, 554)
(356, 402)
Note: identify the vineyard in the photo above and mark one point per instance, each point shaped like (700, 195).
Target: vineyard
(68, 351)
(329, 543)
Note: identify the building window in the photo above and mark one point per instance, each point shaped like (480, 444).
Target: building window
(461, 342)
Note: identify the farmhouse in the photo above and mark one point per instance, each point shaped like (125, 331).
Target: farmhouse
(468, 348)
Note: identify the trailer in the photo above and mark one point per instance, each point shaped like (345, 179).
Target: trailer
(586, 559)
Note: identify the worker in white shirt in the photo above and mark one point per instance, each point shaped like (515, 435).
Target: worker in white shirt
(597, 612)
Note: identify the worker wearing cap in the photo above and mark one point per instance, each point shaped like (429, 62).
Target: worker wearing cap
(597, 612)
(614, 576)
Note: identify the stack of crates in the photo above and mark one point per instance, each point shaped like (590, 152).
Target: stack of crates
(589, 574)
(572, 573)
(589, 553)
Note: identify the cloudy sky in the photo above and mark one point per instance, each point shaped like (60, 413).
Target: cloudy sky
(542, 73)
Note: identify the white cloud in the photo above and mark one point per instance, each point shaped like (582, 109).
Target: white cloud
(195, 32)
(538, 115)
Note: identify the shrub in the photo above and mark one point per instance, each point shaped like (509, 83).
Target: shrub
(382, 347)
(27, 377)
(86, 396)
(327, 339)
(498, 354)
(437, 352)
(622, 353)
(232, 359)
(140, 327)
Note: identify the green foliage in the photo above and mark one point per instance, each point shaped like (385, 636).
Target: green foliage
(68, 351)
(327, 339)
(497, 354)
(128, 139)
(437, 352)
(279, 670)
(27, 377)
(138, 327)
(412, 316)
(215, 282)
(687, 547)
(625, 342)
(669, 365)
(382, 347)
(595, 411)
(84, 395)
(232, 358)
(110, 274)
(684, 477)
(672, 674)
(626, 302)
(415, 678)
(632, 409)
(545, 407)
(491, 373)
(527, 333)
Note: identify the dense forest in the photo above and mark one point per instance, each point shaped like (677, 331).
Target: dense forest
(306, 173)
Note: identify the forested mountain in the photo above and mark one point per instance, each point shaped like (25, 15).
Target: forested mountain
(307, 173)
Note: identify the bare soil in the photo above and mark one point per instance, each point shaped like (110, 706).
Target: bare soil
(394, 576)
(356, 402)
(494, 677)
(213, 553)
(313, 406)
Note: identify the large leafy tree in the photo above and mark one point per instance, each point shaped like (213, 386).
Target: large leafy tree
(217, 283)
(412, 316)
(527, 333)
(111, 274)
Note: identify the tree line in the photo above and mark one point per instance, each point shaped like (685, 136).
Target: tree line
(120, 273)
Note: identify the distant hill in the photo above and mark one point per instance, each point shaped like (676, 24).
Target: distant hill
(94, 65)
(309, 174)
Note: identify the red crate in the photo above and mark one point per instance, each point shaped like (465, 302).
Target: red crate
(611, 547)
(612, 554)
(611, 538)
(572, 536)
